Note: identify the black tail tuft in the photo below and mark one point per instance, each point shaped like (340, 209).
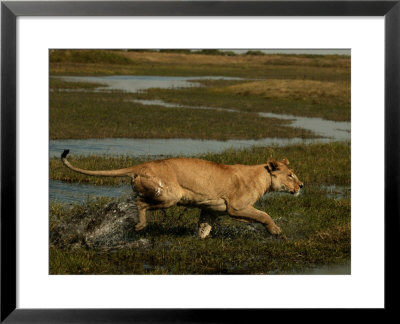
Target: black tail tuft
(64, 154)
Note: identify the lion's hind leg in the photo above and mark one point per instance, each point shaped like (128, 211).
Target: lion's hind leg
(142, 207)
(144, 204)
(153, 194)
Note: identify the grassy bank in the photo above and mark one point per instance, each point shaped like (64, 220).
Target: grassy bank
(315, 164)
(317, 231)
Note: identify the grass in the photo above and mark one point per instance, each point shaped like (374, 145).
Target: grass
(314, 164)
(88, 56)
(316, 224)
(299, 90)
(214, 57)
(301, 85)
(314, 67)
(325, 100)
(58, 84)
(317, 229)
(113, 115)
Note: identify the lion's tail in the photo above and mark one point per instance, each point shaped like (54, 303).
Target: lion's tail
(106, 173)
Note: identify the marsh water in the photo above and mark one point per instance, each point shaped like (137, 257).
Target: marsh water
(137, 83)
(68, 192)
(163, 147)
(65, 192)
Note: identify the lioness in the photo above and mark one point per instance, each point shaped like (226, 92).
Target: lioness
(212, 187)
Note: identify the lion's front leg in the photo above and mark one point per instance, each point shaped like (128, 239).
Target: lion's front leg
(252, 213)
(205, 224)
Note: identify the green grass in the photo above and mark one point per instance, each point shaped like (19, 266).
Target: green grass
(111, 115)
(222, 94)
(315, 164)
(58, 84)
(317, 231)
(257, 72)
(301, 85)
(315, 224)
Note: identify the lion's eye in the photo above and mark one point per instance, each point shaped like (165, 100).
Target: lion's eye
(290, 175)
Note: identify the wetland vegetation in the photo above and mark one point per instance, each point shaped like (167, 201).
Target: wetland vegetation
(316, 228)
(113, 115)
(316, 225)
(272, 66)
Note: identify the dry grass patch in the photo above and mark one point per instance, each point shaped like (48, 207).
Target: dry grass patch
(302, 90)
(274, 66)
(272, 59)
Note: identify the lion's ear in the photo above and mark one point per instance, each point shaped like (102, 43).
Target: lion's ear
(272, 165)
(285, 161)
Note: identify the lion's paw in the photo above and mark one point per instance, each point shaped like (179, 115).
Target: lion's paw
(204, 230)
(140, 226)
(274, 229)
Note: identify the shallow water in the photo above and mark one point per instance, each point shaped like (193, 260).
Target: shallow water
(337, 192)
(338, 131)
(341, 269)
(79, 193)
(136, 83)
(66, 192)
(164, 147)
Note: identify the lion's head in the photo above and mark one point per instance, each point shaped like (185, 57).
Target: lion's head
(283, 178)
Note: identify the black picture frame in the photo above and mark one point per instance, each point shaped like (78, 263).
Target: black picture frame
(9, 13)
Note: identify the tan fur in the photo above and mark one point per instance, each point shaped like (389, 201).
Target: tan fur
(214, 188)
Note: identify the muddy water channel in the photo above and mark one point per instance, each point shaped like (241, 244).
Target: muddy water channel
(66, 192)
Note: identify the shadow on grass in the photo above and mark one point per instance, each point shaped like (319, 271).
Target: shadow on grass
(158, 229)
